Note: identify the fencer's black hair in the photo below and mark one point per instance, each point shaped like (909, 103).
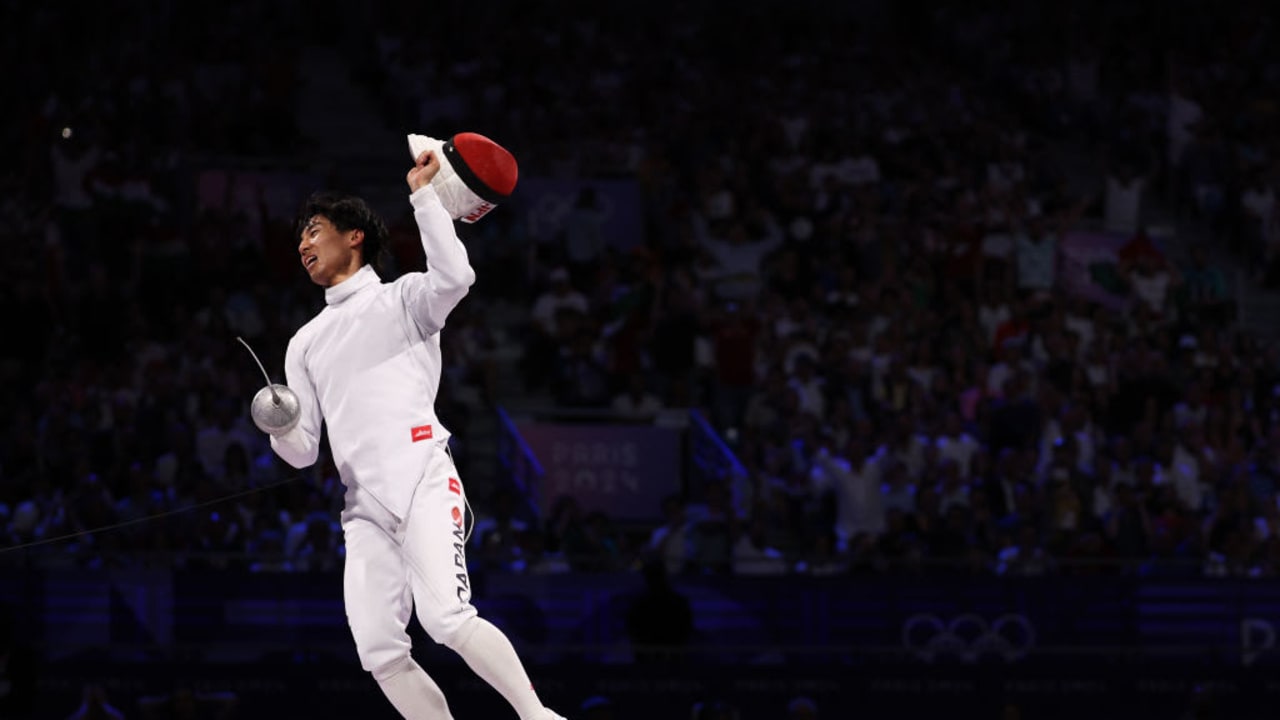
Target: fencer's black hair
(348, 212)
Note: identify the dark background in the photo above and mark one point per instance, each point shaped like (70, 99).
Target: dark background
(950, 309)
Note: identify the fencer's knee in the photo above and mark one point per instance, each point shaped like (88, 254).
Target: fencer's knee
(378, 646)
(390, 669)
(451, 628)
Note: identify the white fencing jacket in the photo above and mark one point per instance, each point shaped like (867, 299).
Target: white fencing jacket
(368, 365)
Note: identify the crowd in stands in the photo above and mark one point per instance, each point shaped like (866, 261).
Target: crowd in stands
(854, 235)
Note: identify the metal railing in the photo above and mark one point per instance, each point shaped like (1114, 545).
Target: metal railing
(712, 460)
(520, 463)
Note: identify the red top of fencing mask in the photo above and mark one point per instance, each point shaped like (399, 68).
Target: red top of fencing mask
(487, 168)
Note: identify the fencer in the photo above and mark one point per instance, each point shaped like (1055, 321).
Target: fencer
(368, 367)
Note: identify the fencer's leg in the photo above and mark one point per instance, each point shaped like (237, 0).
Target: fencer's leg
(412, 691)
(489, 654)
(435, 550)
(378, 602)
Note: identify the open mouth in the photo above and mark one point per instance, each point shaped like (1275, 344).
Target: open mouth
(310, 261)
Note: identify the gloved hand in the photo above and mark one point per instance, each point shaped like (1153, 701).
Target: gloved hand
(475, 174)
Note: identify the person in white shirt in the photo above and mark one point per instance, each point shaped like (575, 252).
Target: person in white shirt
(1183, 115)
(993, 311)
(854, 478)
(368, 366)
(1080, 320)
(897, 492)
(1186, 471)
(557, 312)
(1151, 279)
(1072, 421)
(956, 445)
(1012, 362)
(808, 386)
(670, 542)
(1122, 211)
(222, 428)
(1036, 255)
(561, 296)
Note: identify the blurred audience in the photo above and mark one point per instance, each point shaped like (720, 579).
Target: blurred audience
(860, 257)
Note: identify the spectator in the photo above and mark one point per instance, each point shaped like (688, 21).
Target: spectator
(1125, 189)
(1206, 290)
(637, 401)
(1189, 461)
(854, 477)
(808, 386)
(660, 619)
(581, 378)
(498, 531)
(598, 548)
(1257, 219)
(557, 314)
(735, 338)
(1026, 558)
(535, 559)
(563, 524)
(1152, 280)
(1128, 524)
(713, 525)
(584, 239)
(318, 550)
(270, 553)
(669, 543)
(1036, 251)
(956, 445)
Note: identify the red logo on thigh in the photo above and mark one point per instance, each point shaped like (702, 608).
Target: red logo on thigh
(455, 487)
(457, 517)
(422, 432)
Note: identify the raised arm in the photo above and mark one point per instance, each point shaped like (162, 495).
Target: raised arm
(300, 446)
(431, 296)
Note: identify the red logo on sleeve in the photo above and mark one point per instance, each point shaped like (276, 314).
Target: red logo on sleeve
(455, 487)
(422, 432)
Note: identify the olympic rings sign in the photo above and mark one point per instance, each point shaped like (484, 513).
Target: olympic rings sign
(968, 637)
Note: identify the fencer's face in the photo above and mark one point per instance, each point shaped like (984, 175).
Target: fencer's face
(328, 254)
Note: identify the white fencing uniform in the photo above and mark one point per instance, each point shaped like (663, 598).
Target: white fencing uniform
(368, 365)
(393, 563)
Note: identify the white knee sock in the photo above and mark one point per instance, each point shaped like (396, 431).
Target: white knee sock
(413, 692)
(489, 654)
